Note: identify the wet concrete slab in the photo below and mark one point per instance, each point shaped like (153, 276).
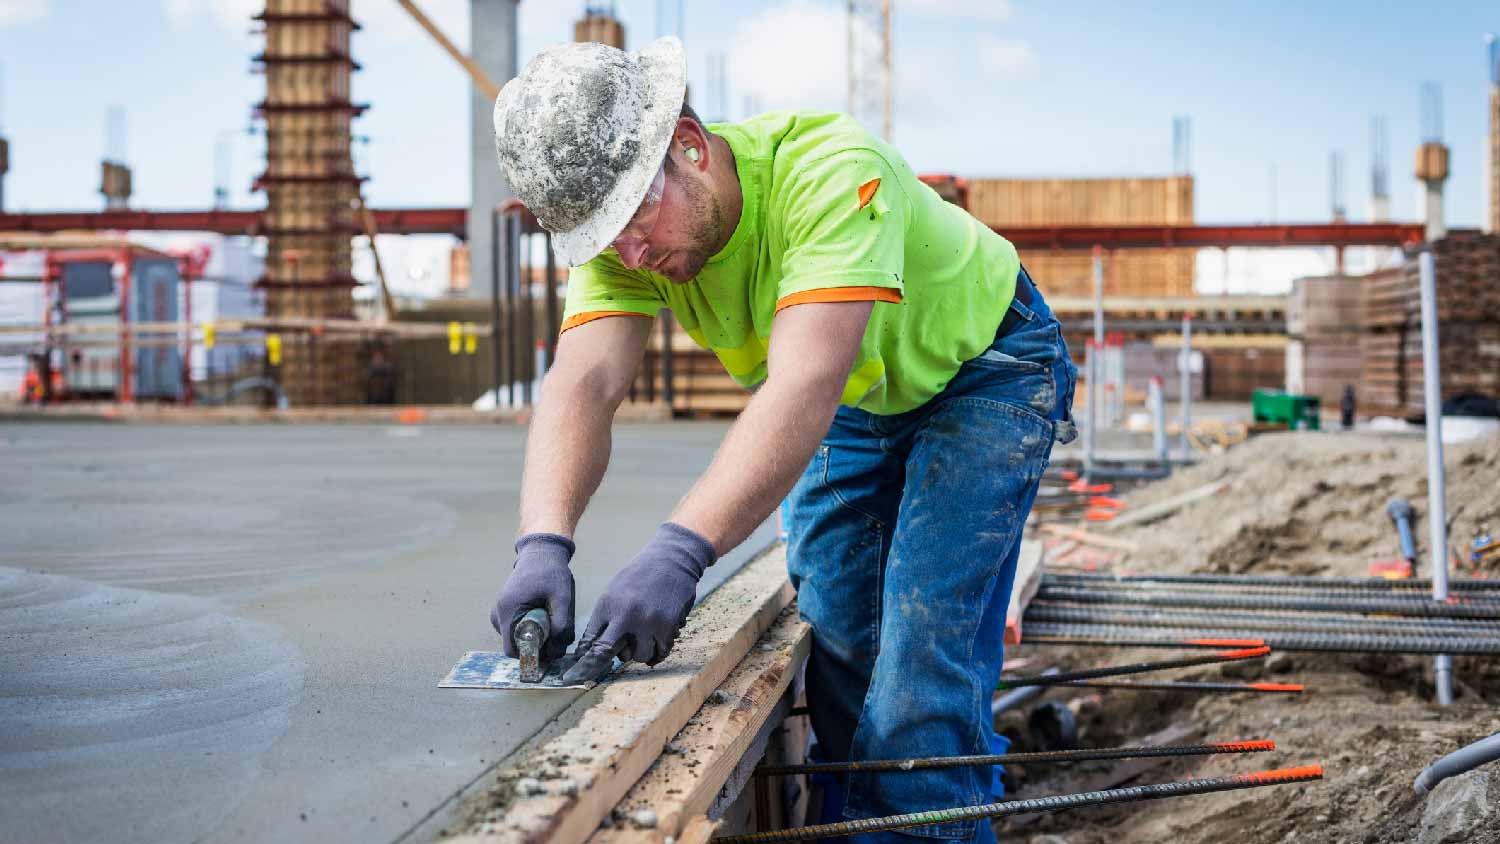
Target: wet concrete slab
(226, 634)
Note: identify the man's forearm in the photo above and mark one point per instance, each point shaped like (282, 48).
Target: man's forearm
(760, 460)
(567, 452)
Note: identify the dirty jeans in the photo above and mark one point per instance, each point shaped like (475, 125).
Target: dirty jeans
(903, 535)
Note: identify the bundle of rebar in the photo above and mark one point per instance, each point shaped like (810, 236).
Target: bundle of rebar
(1358, 615)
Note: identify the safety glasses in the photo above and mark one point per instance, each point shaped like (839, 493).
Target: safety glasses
(643, 223)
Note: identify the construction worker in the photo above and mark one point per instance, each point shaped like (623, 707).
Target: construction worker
(909, 384)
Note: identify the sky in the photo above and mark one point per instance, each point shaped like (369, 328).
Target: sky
(983, 88)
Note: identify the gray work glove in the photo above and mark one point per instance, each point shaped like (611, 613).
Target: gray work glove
(539, 578)
(645, 604)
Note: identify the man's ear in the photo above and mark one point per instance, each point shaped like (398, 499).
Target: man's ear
(693, 141)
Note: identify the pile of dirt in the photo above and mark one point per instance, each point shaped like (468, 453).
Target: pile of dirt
(1307, 503)
(1295, 504)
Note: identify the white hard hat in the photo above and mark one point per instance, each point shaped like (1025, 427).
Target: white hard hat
(582, 132)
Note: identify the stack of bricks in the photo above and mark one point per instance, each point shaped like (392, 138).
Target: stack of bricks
(311, 190)
(1468, 312)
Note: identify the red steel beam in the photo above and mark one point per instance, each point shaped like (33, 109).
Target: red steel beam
(388, 221)
(453, 221)
(1139, 237)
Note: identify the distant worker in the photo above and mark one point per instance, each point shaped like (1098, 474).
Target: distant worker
(909, 384)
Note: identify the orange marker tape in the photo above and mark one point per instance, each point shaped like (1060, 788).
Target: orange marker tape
(1304, 772)
(1247, 746)
(1276, 687)
(1227, 643)
(1247, 653)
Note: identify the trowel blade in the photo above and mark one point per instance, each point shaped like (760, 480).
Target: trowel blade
(495, 670)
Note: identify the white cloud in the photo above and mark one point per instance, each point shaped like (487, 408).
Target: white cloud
(232, 15)
(385, 20)
(981, 11)
(1007, 59)
(792, 56)
(14, 12)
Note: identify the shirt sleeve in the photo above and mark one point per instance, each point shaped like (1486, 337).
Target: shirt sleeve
(604, 287)
(845, 227)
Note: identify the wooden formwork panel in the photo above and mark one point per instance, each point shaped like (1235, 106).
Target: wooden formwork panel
(1322, 305)
(1082, 202)
(1127, 272)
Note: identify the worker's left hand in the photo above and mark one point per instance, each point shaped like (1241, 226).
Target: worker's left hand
(645, 604)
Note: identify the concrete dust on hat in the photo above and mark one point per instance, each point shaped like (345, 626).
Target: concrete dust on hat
(581, 132)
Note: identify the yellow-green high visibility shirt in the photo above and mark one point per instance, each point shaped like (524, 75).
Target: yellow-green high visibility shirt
(831, 213)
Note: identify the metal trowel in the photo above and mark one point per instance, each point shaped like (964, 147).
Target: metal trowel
(495, 670)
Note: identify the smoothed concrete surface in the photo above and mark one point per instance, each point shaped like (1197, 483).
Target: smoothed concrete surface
(285, 599)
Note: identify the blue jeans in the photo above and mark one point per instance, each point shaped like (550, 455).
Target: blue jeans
(903, 535)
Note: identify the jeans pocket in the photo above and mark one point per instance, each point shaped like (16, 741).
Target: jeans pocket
(993, 358)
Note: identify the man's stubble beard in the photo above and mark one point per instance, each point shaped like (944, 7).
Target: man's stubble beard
(708, 227)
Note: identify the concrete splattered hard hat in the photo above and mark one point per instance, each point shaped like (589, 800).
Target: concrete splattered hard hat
(582, 132)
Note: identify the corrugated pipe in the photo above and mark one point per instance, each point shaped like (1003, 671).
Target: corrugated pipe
(1465, 758)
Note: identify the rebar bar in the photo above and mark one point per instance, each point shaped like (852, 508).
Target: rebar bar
(1375, 583)
(1180, 788)
(1186, 686)
(1040, 611)
(1114, 635)
(1328, 592)
(983, 760)
(1135, 668)
(1416, 606)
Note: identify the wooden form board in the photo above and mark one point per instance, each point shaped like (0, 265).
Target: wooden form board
(1028, 580)
(686, 782)
(1082, 202)
(599, 747)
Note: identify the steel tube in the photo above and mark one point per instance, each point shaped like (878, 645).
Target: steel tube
(1187, 382)
(1437, 513)
(1091, 426)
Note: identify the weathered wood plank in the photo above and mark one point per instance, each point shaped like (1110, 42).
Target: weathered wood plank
(560, 786)
(685, 781)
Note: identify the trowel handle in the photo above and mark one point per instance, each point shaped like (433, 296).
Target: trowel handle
(538, 617)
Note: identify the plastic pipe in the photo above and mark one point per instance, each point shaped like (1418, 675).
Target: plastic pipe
(1020, 697)
(1437, 511)
(1466, 758)
(1400, 512)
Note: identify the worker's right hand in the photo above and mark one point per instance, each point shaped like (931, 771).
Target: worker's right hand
(539, 578)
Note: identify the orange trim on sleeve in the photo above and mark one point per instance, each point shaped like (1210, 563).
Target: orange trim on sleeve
(840, 294)
(867, 192)
(589, 316)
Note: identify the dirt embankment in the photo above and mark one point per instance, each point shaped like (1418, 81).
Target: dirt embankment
(1296, 504)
